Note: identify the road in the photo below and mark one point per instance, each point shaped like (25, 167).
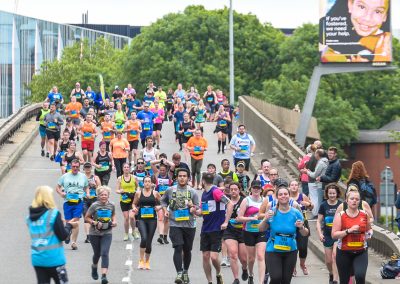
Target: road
(32, 170)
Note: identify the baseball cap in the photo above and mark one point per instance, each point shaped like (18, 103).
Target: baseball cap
(240, 164)
(116, 87)
(280, 182)
(87, 165)
(256, 183)
(267, 187)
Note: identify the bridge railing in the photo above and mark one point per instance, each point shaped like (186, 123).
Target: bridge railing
(274, 142)
(14, 121)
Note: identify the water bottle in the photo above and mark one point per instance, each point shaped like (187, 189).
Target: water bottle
(271, 219)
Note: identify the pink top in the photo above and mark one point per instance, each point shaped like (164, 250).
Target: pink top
(160, 115)
(302, 165)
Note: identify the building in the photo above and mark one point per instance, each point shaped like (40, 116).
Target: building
(123, 30)
(377, 149)
(25, 43)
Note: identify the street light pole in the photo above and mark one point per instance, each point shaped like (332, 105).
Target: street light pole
(231, 62)
(386, 196)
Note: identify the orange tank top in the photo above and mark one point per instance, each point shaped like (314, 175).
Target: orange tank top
(132, 130)
(106, 128)
(355, 240)
(88, 130)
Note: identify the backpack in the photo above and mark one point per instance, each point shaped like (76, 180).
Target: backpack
(391, 269)
(368, 192)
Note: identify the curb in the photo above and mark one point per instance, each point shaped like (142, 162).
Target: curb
(14, 157)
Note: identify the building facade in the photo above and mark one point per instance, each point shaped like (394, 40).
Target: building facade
(25, 43)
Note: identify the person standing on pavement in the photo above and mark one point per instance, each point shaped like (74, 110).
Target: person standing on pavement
(72, 186)
(213, 208)
(244, 146)
(101, 216)
(302, 165)
(196, 146)
(145, 205)
(180, 203)
(53, 121)
(119, 148)
(42, 126)
(47, 233)
(334, 169)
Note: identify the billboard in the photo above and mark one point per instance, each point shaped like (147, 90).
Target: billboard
(355, 31)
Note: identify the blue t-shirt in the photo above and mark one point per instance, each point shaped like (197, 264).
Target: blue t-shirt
(130, 104)
(90, 95)
(54, 97)
(179, 118)
(213, 210)
(73, 184)
(148, 117)
(283, 231)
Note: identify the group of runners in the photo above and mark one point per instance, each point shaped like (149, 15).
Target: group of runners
(244, 221)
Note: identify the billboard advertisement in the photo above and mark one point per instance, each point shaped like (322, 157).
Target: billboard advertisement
(355, 31)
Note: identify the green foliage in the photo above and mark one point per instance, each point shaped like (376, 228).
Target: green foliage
(96, 59)
(193, 48)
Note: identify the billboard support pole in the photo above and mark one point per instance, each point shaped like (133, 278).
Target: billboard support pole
(319, 71)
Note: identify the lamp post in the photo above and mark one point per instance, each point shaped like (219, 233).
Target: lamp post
(231, 62)
(386, 196)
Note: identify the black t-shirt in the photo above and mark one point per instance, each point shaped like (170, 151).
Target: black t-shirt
(328, 212)
(182, 165)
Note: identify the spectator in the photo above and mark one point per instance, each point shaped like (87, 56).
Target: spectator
(334, 170)
(302, 165)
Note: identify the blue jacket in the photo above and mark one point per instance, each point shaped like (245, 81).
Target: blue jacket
(333, 172)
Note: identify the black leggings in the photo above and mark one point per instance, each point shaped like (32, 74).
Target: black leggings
(281, 266)
(302, 245)
(147, 228)
(182, 255)
(45, 274)
(101, 247)
(104, 178)
(348, 262)
(118, 165)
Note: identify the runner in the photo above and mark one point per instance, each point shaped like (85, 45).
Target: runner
(175, 165)
(132, 105)
(302, 241)
(62, 147)
(101, 216)
(162, 181)
(78, 93)
(140, 172)
(186, 129)
(47, 233)
(226, 172)
(196, 146)
(54, 97)
(73, 133)
(91, 195)
(253, 237)
(149, 154)
(103, 163)
(73, 109)
(244, 179)
(85, 108)
(263, 177)
(178, 119)
(133, 128)
(107, 129)
(158, 121)
(244, 146)
(70, 155)
(146, 117)
(233, 236)
(72, 187)
(119, 147)
(126, 187)
(210, 99)
(180, 203)
(201, 114)
(222, 117)
(220, 99)
(146, 205)
(218, 180)
(213, 203)
(88, 132)
(350, 228)
(42, 126)
(161, 97)
(170, 104)
(326, 213)
(119, 118)
(283, 221)
(180, 93)
(53, 121)
(89, 94)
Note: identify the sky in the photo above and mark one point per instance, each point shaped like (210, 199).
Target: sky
(280, 13)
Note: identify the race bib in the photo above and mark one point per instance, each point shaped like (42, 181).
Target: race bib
(104, 215)
(355, 241)
(133, 134)
(197, 150)
(74, 112)
(252, 226)
(68, 168)
(125, 198)
(87, 135)
(147, 166)
(72, 197)
(104, 167)
(235, 224)
(147, 212)
(92, 192)
(187, 133)
(107, 135)
(329, 221)
(162, 189)
(182, 215)
(244, 148)
(146, 126)
(52, 125)
(204, 208)
(283, 242)
(119, 126)
(210, 99)
(222, 123)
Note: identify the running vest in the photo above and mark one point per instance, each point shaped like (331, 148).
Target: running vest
(42, 115)
(264, 181)
(148, 156)
(356, 240)
(92, 187)
(119, 120)
(220, 100)
(162, 184)
(200, 115)
(78, 95)
(210, 98)
(253, 207)
(132, 130)
(69, 159)
(221, 122)
(185, 126)
(88, 130)
(213, 211)
(107, 128)
(170, 99)
(104, 162)
(129, 188)
(228, 174)
(47, 250)
(147, 206)
(233, 224)
(140, 177)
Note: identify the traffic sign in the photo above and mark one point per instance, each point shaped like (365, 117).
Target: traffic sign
(387, 172)
(390, 191)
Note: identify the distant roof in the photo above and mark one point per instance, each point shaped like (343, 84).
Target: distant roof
(381, 135)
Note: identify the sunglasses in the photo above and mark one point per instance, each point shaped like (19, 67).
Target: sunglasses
(140, 163)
